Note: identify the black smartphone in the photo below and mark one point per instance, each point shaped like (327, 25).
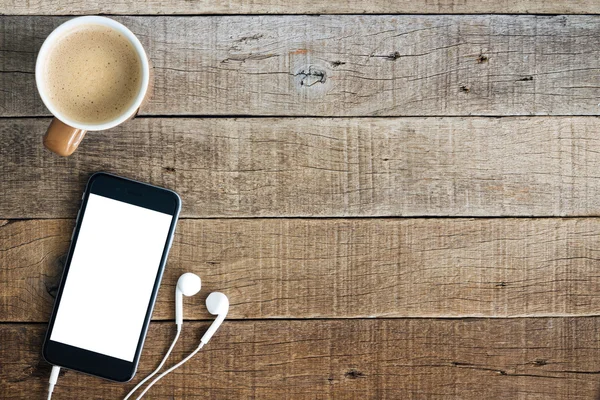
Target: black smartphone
(115, 263)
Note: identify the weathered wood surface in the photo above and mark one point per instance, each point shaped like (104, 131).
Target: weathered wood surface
(342, 268)
(284, 273)
(343, 65)
(65, 7)
(529, 358)
(320, 167)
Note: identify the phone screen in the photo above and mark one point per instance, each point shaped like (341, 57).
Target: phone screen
(111, 277)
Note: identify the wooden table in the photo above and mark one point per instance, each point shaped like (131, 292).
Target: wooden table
(399, 206)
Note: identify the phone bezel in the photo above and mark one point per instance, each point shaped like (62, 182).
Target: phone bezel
(132, 192)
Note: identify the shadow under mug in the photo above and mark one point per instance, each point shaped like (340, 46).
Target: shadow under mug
(64, 134)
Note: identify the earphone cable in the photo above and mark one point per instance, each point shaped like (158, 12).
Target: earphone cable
(174, 367)
(157, 368)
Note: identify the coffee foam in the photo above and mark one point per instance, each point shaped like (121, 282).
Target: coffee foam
(93, 74)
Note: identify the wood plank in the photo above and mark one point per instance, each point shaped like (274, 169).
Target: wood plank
(531, 358)
(342, 268)
(343, 65)
(320, 167)
(75, 7)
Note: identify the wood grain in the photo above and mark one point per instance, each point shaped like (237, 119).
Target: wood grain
(320, 167)
(343, 65)
(530, 358)
(74, 7)
(342, 268)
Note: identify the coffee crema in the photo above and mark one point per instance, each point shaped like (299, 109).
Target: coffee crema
(93, 74)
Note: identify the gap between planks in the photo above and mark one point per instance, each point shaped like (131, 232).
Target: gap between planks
(307, 319)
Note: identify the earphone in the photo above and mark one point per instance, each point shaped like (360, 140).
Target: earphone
(217, 304)
(188, 284)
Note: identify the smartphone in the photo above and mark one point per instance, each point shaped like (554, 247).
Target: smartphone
(115, 263)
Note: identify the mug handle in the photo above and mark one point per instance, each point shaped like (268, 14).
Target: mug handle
(62, 139)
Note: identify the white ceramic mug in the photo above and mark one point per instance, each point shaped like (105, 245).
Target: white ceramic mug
(64, 135)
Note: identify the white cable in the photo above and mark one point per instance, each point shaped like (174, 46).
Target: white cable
(53, 380)
(179, 364)
(159, 366)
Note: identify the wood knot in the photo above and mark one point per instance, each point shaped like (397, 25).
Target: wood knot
(51, 289)
(482, 59)
(53, 281)
(311, 76)
(249, 38)
(336, 64)
(354, 374)
(459, 364)
(393, 56)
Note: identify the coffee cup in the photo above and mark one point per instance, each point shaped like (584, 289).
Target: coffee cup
(92, 74)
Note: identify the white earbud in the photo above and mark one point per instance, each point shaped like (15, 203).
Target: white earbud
(188, 284)
(217, 304)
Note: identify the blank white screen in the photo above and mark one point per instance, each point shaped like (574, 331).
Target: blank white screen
(111, 277)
